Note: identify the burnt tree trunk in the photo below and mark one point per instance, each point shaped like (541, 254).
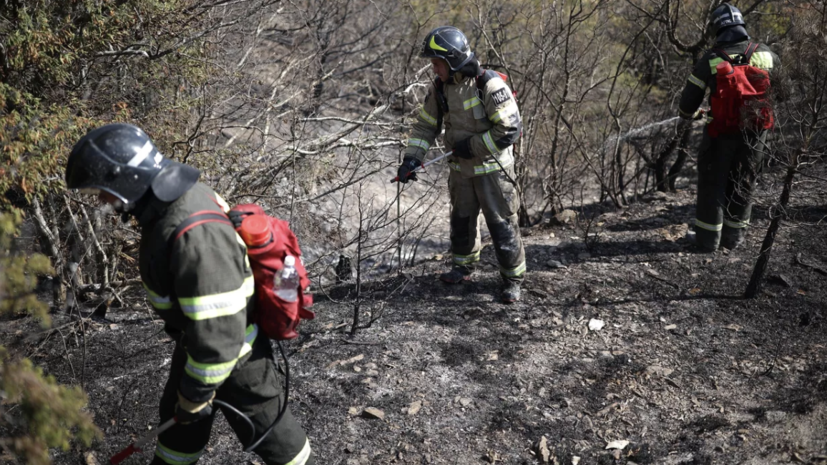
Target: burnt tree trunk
(769, 239)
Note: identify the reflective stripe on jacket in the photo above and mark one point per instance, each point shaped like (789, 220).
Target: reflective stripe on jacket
(203, 286)
(489, 117)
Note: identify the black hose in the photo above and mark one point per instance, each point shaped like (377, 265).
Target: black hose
(255, 444)
(227, 406)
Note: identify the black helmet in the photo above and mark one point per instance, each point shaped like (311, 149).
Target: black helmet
(725, 16)
(448, 43)
(121, 160)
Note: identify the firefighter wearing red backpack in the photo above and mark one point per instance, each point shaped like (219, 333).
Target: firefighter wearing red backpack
(482, 122)
(736, 72)
(201, 284)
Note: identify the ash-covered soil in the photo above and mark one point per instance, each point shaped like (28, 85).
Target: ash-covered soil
(683, 369)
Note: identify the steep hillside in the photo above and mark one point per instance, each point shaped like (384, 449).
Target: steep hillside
(683, 368)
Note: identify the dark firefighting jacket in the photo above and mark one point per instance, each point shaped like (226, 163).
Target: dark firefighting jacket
(704, 75)
(490, 117)
(201, 285)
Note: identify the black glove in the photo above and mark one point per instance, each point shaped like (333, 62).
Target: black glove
(462, 149)
(187, 411)
(405, 171)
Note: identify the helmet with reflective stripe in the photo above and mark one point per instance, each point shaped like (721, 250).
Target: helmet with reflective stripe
(725, 16)
(122, 160)
(448, 43)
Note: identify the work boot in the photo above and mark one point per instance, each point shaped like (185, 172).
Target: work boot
(732, 241)
(699, 249)
(457, 275)
(511, 292)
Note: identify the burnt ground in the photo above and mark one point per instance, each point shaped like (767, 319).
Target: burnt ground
(684, 369)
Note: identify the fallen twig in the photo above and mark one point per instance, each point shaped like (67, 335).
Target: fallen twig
(357, 343)
(817, 268)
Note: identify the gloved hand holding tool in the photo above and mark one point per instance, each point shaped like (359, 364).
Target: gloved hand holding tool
(187, 412)
(410, 166)
(407, 170)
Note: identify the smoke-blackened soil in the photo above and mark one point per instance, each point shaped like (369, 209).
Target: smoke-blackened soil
(683, 368)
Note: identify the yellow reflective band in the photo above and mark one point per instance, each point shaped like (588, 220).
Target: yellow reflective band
(503, 113)
(426, 117)
(514, 272)
(506, 161)
(209, 373)
(471, 103)
(434, 45)
(175, 458)
(495, 166)
(224, 205)
(707, 226)
(713, 63)
(212, 306)
(214, 373)
(421, 143)
(489, 142)
(466, 259)
(696, 81)
(761, 60)
(736, 224)
(157, 301)
(302, 456)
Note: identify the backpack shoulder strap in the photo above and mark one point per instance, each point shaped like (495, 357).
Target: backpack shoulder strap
(196, 219)
(724, 55)
(441, 101)
(751, 48)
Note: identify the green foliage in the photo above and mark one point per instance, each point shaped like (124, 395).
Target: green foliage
(69, 66)
(34, 142)
(52, 414)
(18, 273)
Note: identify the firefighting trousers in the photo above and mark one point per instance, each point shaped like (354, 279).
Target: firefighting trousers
(497, 198)
(254, 389)
(727, 169)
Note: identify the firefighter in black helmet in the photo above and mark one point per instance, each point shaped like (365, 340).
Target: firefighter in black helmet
(202, 287)
(482, 122)
(729, 163)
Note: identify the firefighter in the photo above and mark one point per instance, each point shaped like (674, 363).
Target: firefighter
(202, 287)
(729, 163)
(482, 122)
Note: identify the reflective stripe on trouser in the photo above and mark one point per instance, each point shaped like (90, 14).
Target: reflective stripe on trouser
(174, 457)
(497, 198)
(727, 168)
(254, 388)
(466, 260)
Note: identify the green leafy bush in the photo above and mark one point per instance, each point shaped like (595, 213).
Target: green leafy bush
(50, 415)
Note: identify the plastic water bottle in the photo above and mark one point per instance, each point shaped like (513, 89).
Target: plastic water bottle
(287, 281)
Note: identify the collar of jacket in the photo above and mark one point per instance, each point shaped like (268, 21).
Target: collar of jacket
(459, 78)
(149, 210)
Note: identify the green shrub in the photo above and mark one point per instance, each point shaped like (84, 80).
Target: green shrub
(51, 415)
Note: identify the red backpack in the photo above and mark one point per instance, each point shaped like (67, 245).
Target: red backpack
(268, 241)
(741, 96)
